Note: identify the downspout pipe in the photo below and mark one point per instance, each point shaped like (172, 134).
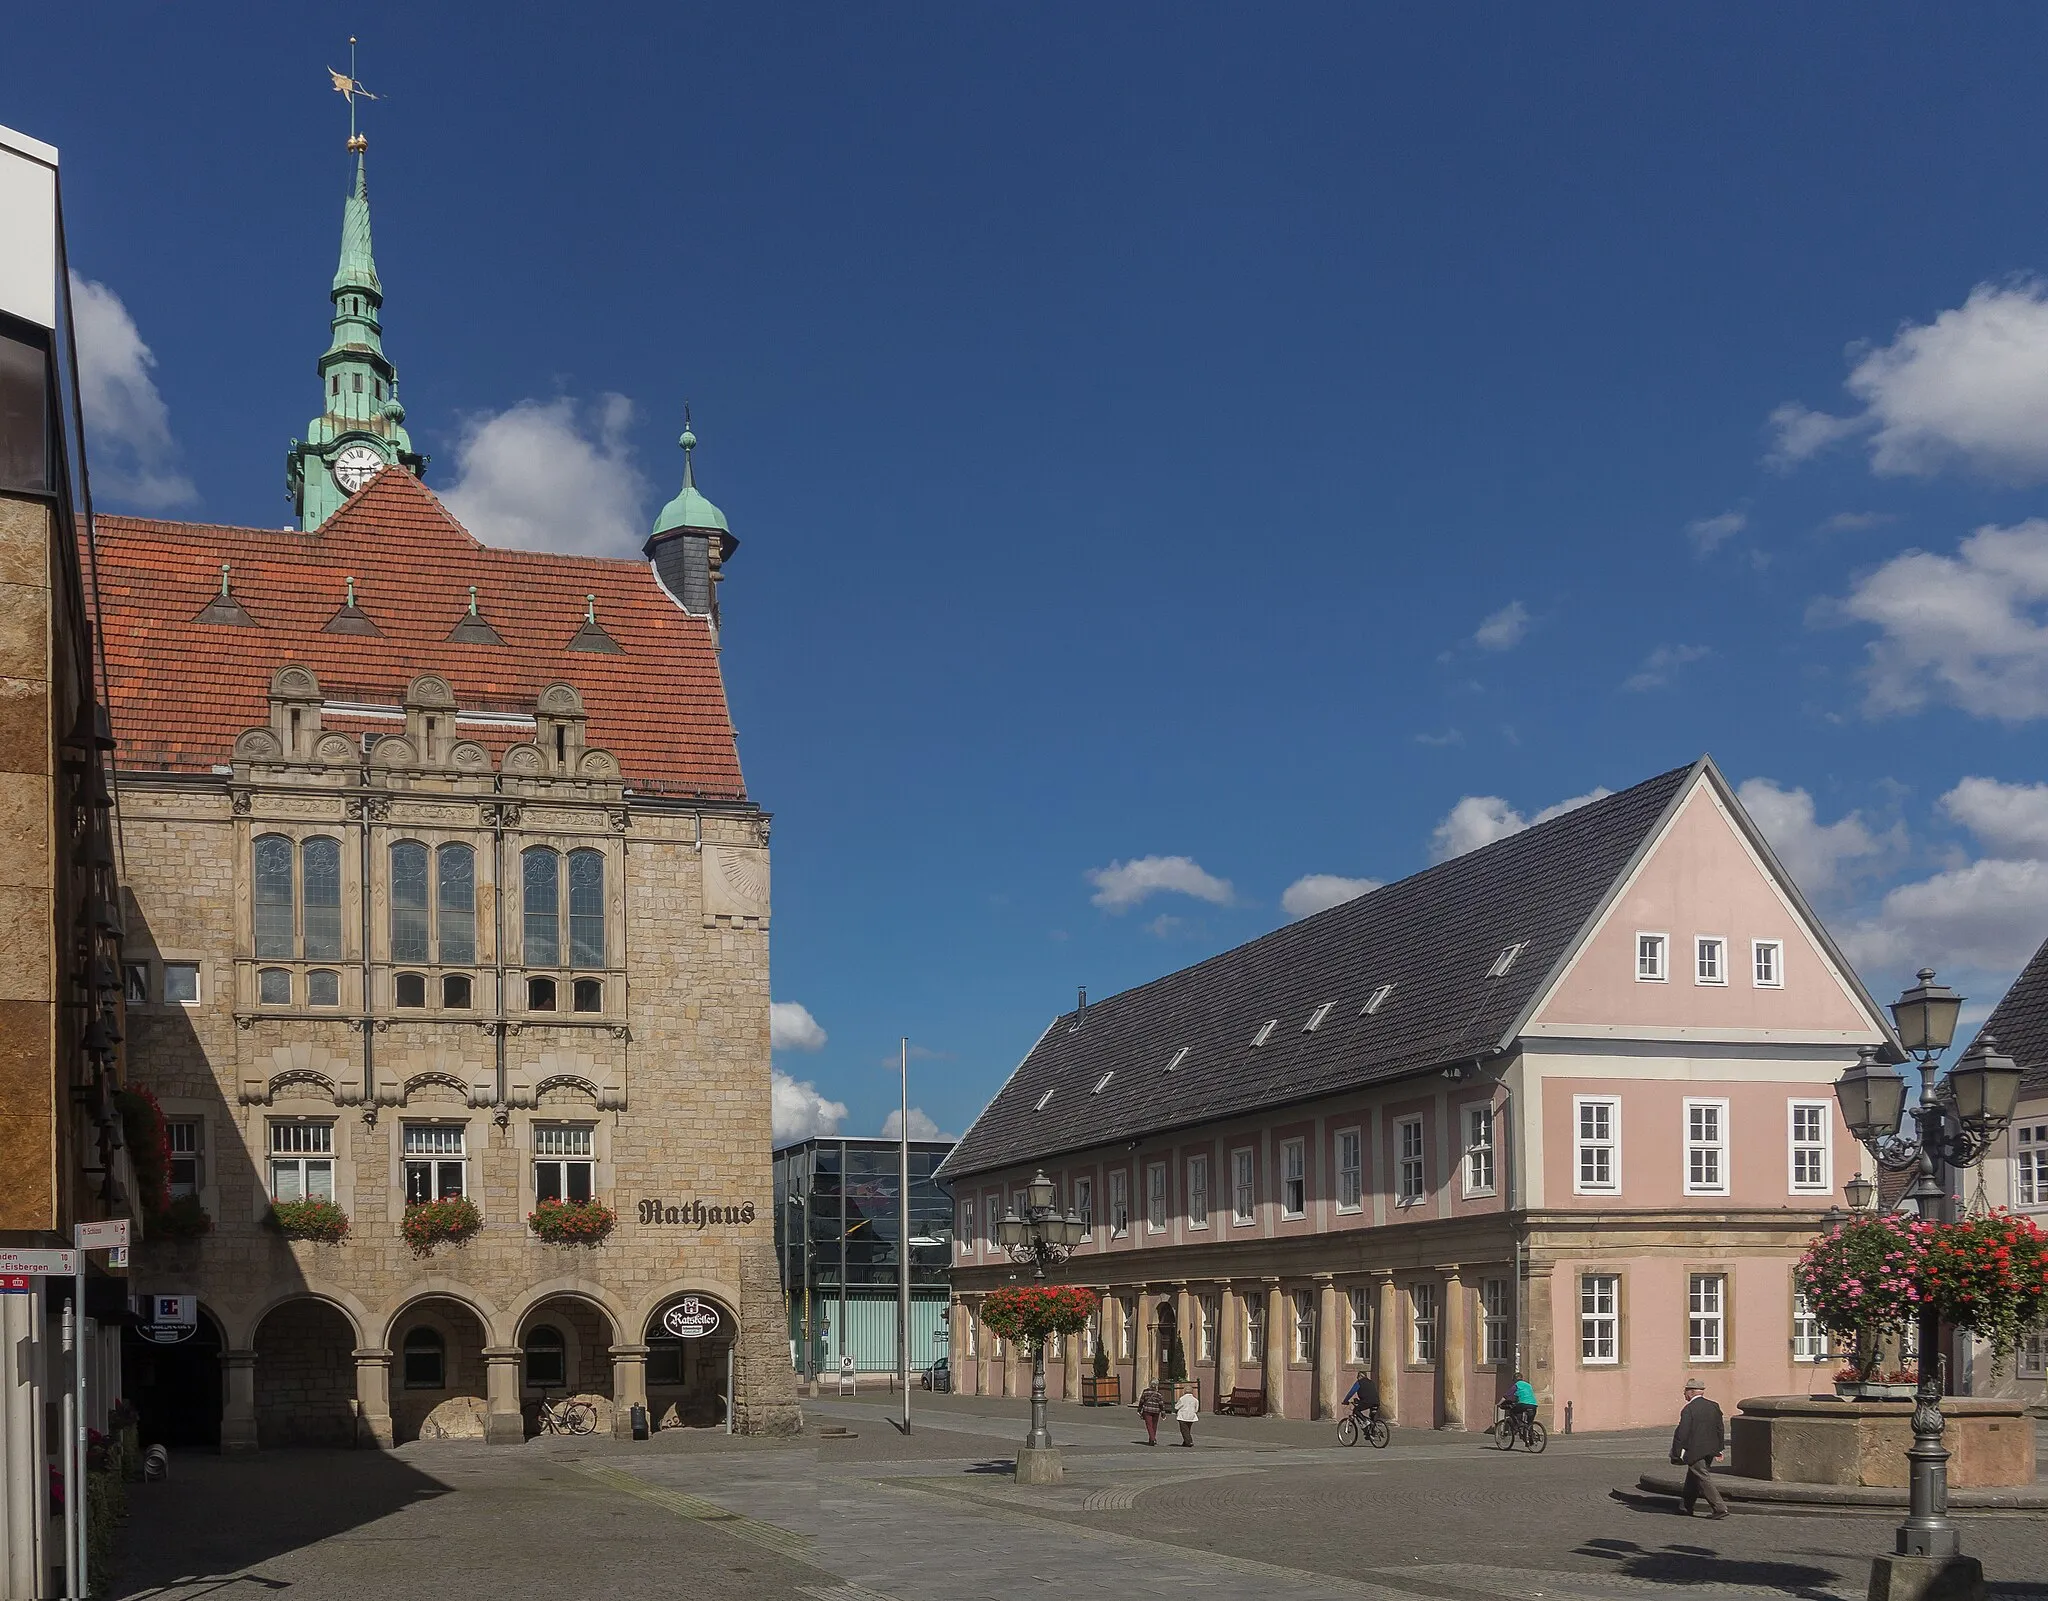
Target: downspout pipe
(363, 894)
(498, 946)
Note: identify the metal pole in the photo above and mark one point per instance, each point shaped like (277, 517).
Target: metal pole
(79, 1424)
(1927, 1531)
(69, 1454)
(728, 1387)
(903, 1230)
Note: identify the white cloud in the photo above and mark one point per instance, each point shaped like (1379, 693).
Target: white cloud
(1971, 628)
(1813, 853)
(800, 1112)
(128, 427)
(1661, 663)
(792, 1028)
(2011, 819)
(921, 1126)
(544, 476)
(1968, 389)
(1505, 629)
(1450, 736)
(1709, 534)
(1988, 917)
(1855, 522)
(1122, 885)
(1165, 926)
(1481, 819)
(1318, 892)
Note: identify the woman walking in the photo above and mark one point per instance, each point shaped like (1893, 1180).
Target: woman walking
(1150, 1404)
(1185, 1410)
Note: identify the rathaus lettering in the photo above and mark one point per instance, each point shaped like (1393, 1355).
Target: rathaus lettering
(695, 1214)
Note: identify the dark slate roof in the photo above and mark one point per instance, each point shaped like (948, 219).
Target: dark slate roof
(2020, 1022)
(1433, 936)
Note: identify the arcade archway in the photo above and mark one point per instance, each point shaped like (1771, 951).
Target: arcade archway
(305, 1374)
(176, 1388)
(690, 1341)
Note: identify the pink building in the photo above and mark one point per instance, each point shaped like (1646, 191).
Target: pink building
(1563, 1105)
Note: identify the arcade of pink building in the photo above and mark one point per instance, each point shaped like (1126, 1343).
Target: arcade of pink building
(1563, 1106)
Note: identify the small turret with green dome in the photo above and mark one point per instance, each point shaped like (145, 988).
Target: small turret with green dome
(690, 541)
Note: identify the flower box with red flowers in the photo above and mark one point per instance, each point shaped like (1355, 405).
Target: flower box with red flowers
(572, 1222)
(447, 1222)
(309, 1220)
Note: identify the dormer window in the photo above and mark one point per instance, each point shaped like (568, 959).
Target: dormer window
(1265, 1031)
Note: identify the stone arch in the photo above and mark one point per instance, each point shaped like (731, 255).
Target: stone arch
(179, 1389)
(439, 1388)
(585, 1317)
(437, 1287)
(689, 1379)
(334, 748)
(362, 1322)
(295, 683)
(429, 689)
(257, 744)
(577, 1289)
(305, 1378)
(560, 700)
(525, 761)
(598, 764)
(469, 757)
(394, 750)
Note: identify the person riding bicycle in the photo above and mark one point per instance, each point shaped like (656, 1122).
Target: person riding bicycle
(1364, 1396)
(1521, 1406)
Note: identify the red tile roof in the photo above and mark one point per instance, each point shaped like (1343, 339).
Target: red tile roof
(181, 690)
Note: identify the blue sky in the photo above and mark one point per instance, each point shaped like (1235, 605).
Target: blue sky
(1178, 452)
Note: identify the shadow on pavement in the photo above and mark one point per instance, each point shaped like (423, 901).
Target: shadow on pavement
(1698, 1564)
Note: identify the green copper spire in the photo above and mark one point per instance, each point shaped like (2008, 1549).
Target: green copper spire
(689, 509)
(361, 428)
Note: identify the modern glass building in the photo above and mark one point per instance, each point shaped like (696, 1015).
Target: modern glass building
(837, 1232)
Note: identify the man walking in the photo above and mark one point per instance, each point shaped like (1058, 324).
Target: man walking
(1186, 1408)
(1700, 1437)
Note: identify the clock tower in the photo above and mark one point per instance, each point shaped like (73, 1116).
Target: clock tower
(361, 430)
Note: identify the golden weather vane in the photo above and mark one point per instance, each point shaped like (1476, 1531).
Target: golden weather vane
(348, 86)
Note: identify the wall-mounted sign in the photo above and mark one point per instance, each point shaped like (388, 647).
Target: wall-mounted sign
(106, 1236)
(36, 1263)
(165, 1333)
(15, 1283)
(695, 1214)
(181, 1311)
(691, 1319)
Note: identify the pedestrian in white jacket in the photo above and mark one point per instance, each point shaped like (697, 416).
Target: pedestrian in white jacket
(1185, 1410)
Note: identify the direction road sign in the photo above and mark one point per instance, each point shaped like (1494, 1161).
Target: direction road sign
(38, 1262)
(105, 1236)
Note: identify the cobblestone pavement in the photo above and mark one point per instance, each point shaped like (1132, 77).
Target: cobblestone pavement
(1262, 1508)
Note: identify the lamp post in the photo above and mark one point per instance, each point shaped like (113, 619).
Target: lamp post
(1041, 1237)
(1954, 1123)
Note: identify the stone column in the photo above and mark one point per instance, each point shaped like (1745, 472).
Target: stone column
(504, 1423)
(1454, 1360)
(1071, 1350)
(1329, 1342)
(1145, 1342)
(1386, 1349)
(1184, 1323)
(1539, 1343)
(1010, 1369)
(373, 1396)
(629, 1388)
(1228, 1317)
(956, 1339)
(238, 1404)
(1276, 1350)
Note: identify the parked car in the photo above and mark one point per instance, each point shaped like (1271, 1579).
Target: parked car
(939, 1377)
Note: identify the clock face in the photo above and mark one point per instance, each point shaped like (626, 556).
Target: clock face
(356, 466)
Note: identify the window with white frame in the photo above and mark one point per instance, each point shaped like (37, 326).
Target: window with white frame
(1358, 1303)
(1809, 1339)
(435, 1162)
(1304, 1326)
(1706, 1147)
(1084, 1203)
(1126, 1325)
(967, 1239)
(186, 1175)
(2032, 1356)
(1155, 1198)
(1254, 1330)
(1767, 963)
(1496, 1314)
(1809, 1133)
(1597, 1169)
(2030, 1165)
(1709, 959)
(1293, 1178)
(1600, 1318)
(1422, 1334)
(994, 1209)
(1243, 1191)
(1479, 1150)
(1707, 1317)
(1350, 1169)
(181, 983)
(1119, 1203)
(301, 1161)
(1198, 1190)
(1650, 966)
(1206, 1310)
(1410, 1173)
(563, 1162)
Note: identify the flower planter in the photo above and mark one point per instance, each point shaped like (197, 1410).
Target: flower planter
(322, 1221)
(1882, 1392)
(432, 1223)
(572, 1222)
(1100, 1392)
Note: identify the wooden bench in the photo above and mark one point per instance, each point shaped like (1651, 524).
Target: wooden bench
(1245, 1402)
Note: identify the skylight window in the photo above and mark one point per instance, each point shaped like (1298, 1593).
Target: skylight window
(1315, 1020)
(1379, 998)
(1505, 960)
(1179, 1057)
(1102, 1083)
(1044, 1101)
(1265, 1031)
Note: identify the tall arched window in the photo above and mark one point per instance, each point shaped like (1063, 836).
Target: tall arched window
(273, 886)
(455, 903)
(586, 908)
(320, 884)
(408, 901)
(540, 872)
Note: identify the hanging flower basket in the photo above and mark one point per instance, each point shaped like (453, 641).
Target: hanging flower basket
(1032, 1314)
(1990, 1274)
(572, 1222)
(1863, 1277)
(431, 1223)
(148, 1140)
(309, 1220)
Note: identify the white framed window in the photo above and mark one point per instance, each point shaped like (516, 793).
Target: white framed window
(1205, 1328)
(1479, 1149)
(994, 1210)
(966, 1227)
(1155, 1198)
(1810, 1126)
(1293, 1178)
(301, 1161)
(1496, 1315)
(1084, 1203)
(187, 1173)
(1255, 1330)
(1707, 1317)
(1422, 1332)
(2030, 1165)
(1650, 963)
(1119, 1203)
(436, 1160)
(181, 983)
(1709, 959)
(1599, 1319)
(1198, 1190)
(1126, 1326)
(1706, 1147)
(1304, 1326)
(1767, 963)
(1809, 1339)
(1243, 1186)
(563, 1162)
(1350, 1169)
(1596, 1169)
(1358, 1302)
(1411, 1171)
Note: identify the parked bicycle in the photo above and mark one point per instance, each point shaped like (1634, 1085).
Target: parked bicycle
(1368, 1426)
(566, 1416)
(1513, 1423)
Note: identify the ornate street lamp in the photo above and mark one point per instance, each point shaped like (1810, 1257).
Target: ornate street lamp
(1043, 1237)
(1860, 1193)
(1954, 1124)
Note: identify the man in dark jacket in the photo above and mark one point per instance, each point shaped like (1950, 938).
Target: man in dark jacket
(1700, 1438)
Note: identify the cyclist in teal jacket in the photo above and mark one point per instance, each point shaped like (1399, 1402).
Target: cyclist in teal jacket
(1523, 1407)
